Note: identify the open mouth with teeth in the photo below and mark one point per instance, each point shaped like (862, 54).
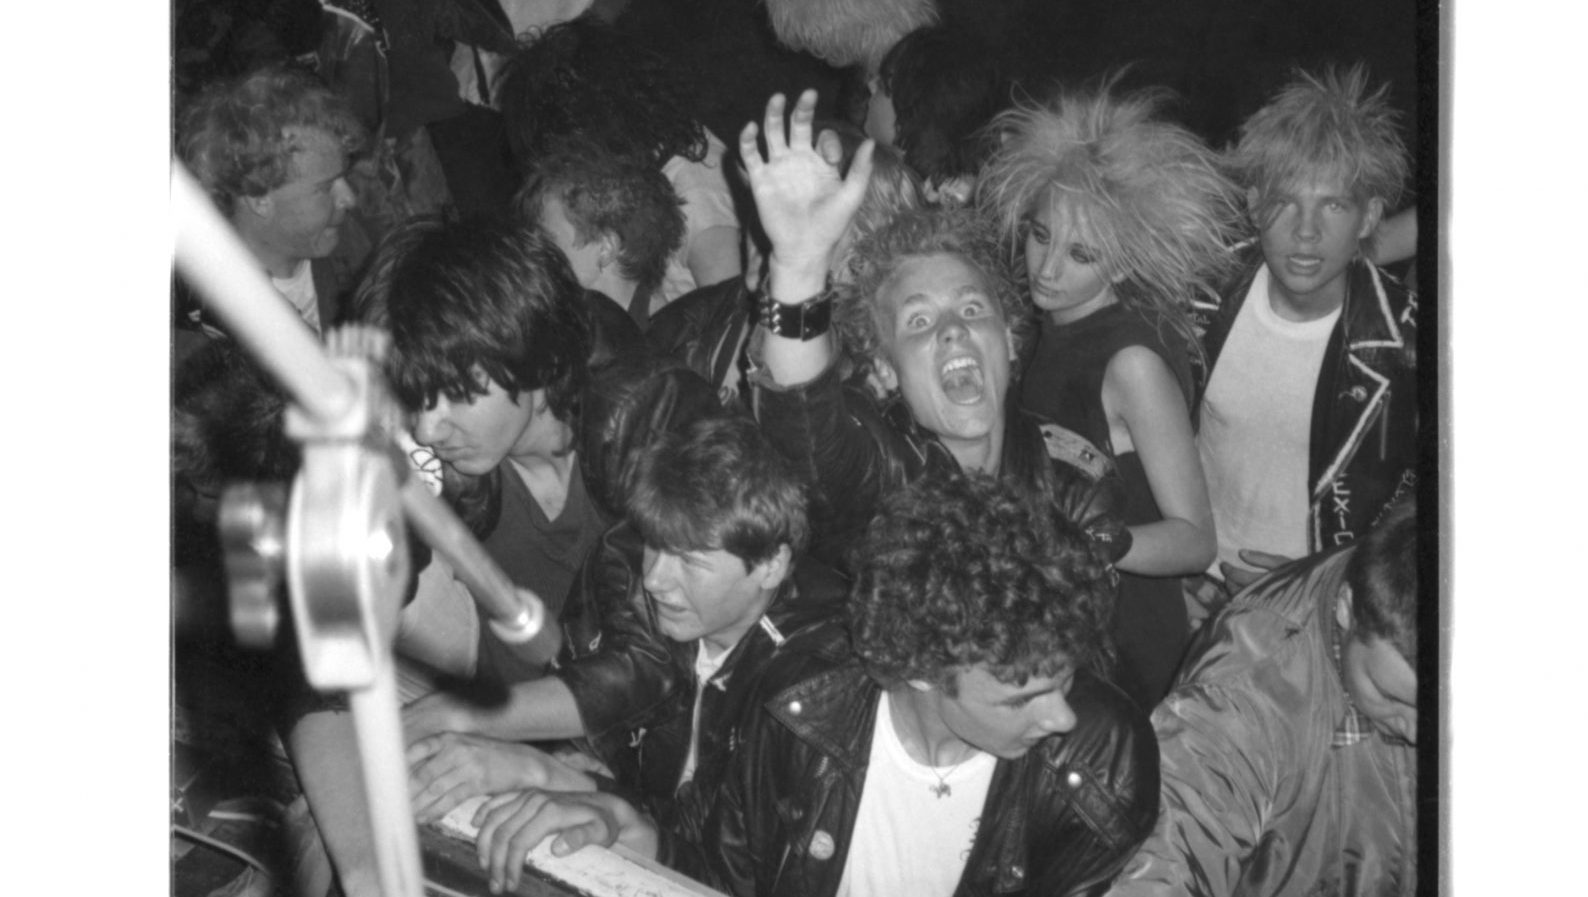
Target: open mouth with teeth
(962, 380)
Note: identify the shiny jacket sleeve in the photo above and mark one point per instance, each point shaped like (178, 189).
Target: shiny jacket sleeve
(1221, 745)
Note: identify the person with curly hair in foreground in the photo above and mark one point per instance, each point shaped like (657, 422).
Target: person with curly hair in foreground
(967, 743)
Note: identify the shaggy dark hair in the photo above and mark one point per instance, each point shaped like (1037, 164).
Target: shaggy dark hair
(945, 87)
(604, 193)
(1382, 573)
(238, 137)
(227, 421)
(718, 484)
(586, 79)
(968, 569)
(877, 256)
(475, 297)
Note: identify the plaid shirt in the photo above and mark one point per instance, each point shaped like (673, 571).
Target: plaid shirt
(1355, 726)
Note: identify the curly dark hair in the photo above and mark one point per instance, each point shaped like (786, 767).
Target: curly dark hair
(968, 570)
(877, 256)
(238, 136)
(604, 193)
(586, 79)
(477, 295)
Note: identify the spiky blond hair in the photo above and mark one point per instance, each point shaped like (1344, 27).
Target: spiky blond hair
(848, 32)
(1328, 124)
(1160, 212)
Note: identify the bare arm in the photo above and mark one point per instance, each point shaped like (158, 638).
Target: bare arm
(1396, 237)
(539, 710)
(714, 255)
(805, 207)
(1140, 392)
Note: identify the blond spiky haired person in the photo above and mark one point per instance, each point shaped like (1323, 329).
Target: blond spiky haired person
(1309, 421)
(1122, 219)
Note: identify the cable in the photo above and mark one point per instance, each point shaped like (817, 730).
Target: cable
(185, 832)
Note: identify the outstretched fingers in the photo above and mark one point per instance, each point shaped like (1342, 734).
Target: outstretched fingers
(800, 121)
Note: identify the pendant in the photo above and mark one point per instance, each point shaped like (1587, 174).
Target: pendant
(941, 789)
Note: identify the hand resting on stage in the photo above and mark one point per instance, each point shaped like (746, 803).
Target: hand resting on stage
(511, 824)
(445, 770)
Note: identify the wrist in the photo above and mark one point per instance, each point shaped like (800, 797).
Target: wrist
(794, 281)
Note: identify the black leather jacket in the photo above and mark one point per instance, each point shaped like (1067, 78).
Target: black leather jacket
(1363, 451)
(1060, 820)
(708, 329)
(635, 688)
(856, 451)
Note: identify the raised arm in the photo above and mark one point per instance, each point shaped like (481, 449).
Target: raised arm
(805, 207)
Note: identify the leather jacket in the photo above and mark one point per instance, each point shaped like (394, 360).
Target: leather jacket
(635, 687)
(1363, 451)
(857, 451)
(709, 329)
(1060, 820)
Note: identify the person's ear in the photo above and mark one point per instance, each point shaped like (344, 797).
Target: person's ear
(1342, 610)
(1375, 214)
(770, 573)
(260, 206)
(607, 255)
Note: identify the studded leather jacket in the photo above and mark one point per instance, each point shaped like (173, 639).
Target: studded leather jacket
(1060, 820)
(856, 451)
(1363, 451)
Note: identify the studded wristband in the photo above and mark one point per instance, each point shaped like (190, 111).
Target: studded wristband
(805, 321)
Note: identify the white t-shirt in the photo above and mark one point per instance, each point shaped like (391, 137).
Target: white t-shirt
(298, 290)
(916, 823)
(1257, 428)
(707, 203)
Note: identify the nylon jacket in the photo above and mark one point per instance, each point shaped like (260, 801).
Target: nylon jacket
(1257, 800)
(1060, 820)
(1363, 453)
(856, 451)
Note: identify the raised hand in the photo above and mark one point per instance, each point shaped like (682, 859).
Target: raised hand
(803, 203)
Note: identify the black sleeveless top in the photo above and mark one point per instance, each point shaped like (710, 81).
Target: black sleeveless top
(1063, 381)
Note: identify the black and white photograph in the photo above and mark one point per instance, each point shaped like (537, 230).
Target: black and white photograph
(804, 448)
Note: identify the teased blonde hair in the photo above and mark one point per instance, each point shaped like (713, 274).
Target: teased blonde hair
(1161, 213)
(848, 32)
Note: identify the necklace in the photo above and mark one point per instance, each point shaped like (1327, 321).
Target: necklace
(942, 788)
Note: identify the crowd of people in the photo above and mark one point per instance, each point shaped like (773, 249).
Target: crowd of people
(973, 483)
